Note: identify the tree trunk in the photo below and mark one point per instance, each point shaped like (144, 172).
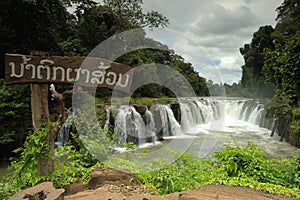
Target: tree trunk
(40, 118)
(39, 105)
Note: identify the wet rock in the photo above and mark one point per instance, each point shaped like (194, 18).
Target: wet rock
(74, 188)
(109, 176)
(140, 108)
(98, 194)
(43, 190)
(176, 111)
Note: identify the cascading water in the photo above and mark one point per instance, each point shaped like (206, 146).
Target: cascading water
(169, 125)
(64, 132)
(150, 130)
(226, 121)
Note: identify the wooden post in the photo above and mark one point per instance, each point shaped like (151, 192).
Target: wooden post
(39, 105)
(39, 68)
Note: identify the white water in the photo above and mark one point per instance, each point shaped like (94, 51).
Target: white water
(170, 126)
(238, 125)
(210, 123)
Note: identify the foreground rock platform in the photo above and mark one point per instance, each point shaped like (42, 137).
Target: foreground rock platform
(208, 192)
(41, 191)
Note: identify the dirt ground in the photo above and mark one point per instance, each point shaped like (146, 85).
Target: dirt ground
(208, 192)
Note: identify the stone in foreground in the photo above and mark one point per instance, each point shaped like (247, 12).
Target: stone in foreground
(43, 190)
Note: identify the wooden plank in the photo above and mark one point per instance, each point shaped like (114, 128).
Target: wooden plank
(58, 69)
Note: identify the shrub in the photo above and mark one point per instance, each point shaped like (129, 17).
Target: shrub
(164, 100)
(144, 101)
(70, 166)
(239, 162)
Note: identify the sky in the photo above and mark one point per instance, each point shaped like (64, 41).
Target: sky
(209, 33)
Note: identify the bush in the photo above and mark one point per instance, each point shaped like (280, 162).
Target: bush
(239, 162)
(164, 100)
(144, 101)
(246, 167)
(70, 166)
(185, 173)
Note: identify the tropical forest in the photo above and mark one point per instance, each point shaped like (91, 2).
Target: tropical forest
(93, 107)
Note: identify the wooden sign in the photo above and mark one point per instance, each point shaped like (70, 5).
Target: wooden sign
(57, 69)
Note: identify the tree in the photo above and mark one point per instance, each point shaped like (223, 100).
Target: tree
(15, 116)
(27, 25)
(130, 15)
(282, 68)
(288, 17)
(95, 25)
(252, 77)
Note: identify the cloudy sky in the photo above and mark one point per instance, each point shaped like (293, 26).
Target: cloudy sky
(209, 33)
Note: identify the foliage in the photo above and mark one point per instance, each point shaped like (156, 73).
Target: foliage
(15, 112)
(237, 162)
(181, 175)
(97, 140)
(24, 171)
(70, 165)
(124, 164)
(288, 14)
(252, 76)
(129, 146)
(166, 57)
(130, 15)
(272, 64)
(164, 100)
(143, 101)
(246, 167)
(294, 127)
(282, 67)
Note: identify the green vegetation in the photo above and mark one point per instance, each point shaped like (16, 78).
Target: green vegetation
(71, 165)
(143, 101)
(164, 100)
(272, 69)
(15, 116)
(247, 167)
(47, 25)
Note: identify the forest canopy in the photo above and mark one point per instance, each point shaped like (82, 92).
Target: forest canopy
(50, 26)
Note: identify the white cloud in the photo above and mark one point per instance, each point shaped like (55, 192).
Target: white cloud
(215, 29)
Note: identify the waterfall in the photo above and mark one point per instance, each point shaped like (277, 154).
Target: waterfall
(256, 114)
(120, 125)
(131, 126)
(150, 134)
(245, 110)
(64, 132)
(144, 126)
(170, 126)
(187, 120)
(206, 112)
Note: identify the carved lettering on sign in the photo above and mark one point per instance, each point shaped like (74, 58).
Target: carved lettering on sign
(86, 71)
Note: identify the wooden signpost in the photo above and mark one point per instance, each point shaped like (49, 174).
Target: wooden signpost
(57, 69)
(41, 70)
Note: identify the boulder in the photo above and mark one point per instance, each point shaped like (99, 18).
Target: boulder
(74, 188)
(43, 190)
(109, 176)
